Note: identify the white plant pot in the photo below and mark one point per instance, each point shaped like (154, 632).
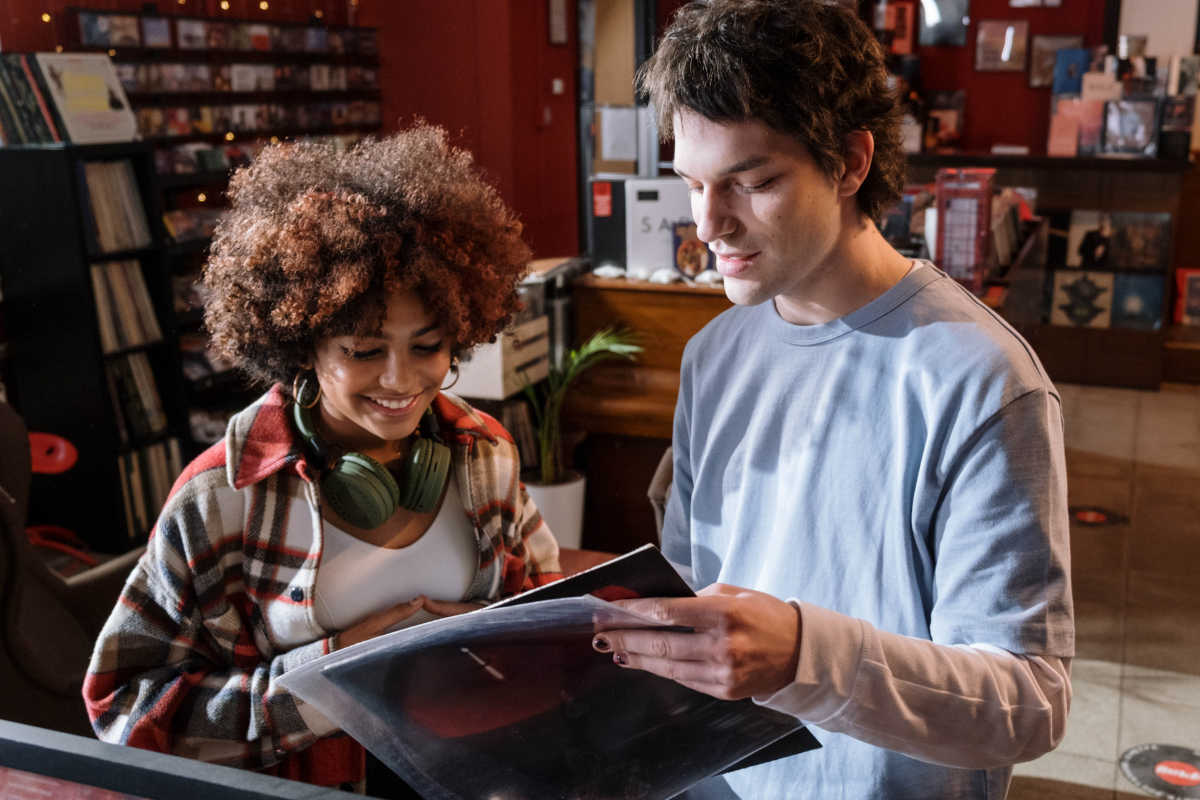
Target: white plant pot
(561, 505)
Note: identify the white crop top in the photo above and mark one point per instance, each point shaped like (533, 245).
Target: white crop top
(356, 578)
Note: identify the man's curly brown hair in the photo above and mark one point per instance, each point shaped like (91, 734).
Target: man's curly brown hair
(808, 68)
(316, 239)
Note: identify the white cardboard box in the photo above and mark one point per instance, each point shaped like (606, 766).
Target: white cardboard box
(500, 369)
(653, 206)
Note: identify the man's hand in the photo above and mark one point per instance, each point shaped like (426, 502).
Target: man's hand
(744, 643)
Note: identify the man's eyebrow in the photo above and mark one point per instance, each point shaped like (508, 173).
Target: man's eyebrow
(746, 164)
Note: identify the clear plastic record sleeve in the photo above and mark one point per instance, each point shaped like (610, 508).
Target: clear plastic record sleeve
(512, 701)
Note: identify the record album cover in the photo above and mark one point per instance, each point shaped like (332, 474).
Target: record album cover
(1070, 64)
(1089, 243)
(1138, 301)
(89, 97)
(457, 691)
(1141, 241)
(1187, 296)
(156, 32)
(1082, 299)
(1131, 127)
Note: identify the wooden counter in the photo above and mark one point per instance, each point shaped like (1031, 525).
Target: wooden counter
(637, 399)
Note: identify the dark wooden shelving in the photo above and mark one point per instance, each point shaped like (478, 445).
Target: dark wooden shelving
(279, 96)
(1094, 164)
(123, 255)
(1106, 356)
(184, 180)
(56, 374)
(281, 133)
(189, 247)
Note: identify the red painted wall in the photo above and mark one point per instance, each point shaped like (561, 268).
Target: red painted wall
(1001, 108)
(481, 68)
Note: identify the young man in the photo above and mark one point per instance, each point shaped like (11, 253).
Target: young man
(870, 452)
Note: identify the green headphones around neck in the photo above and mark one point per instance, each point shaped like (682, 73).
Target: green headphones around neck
(360, 489)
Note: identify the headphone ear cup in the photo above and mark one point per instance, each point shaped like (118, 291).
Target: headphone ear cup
(425, 475)
(361, 491)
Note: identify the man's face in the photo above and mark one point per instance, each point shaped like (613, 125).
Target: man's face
(765, 208)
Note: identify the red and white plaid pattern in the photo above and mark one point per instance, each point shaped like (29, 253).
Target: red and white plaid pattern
(221, 603)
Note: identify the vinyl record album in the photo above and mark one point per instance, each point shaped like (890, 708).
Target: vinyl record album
(1163, 770)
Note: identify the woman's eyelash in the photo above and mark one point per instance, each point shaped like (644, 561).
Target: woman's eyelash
(359, 355)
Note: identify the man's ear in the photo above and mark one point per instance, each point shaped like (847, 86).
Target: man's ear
(859, 150)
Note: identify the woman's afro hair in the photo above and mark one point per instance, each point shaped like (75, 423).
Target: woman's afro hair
(315, 240)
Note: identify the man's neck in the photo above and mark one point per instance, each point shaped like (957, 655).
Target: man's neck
(861, 267)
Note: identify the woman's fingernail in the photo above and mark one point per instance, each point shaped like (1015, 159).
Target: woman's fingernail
(601, 644)
(621, 659)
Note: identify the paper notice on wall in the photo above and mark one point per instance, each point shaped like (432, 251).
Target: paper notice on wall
(618, 133)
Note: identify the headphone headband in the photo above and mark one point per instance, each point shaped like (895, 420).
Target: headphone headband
(360, 489)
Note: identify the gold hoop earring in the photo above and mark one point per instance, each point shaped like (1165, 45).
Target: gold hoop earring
(457, 375)
(300, 386)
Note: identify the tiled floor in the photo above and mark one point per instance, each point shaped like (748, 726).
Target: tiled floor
(1136, 676)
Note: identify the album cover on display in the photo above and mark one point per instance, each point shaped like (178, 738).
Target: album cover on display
(1187, 296)
(1141, 241)
(1089, 243)
(179, 121)
(192, 34)
(156, 32)
(1044, 55)
(127, 74)
(460, 690)
(944, 120)
(1082, 299)
(219, 35)
(290, 39)
(109, 30)
(88, 96)
(239, 36)
(1070, 64)
(1138, 301)
(316, 40)
(261, 37)
(1065, 113)
(1131, 128)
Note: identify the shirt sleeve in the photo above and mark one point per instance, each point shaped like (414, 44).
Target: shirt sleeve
(968, 706)
(540, 548)
(997, 528)
(177, 667)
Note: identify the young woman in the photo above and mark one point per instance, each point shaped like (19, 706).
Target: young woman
(355, 496)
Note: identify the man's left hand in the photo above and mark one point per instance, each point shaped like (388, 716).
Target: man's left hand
(743, 643)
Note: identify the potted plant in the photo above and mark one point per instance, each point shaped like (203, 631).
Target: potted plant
(559, 492)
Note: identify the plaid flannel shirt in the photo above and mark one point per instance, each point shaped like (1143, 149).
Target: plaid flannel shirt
(221, 604)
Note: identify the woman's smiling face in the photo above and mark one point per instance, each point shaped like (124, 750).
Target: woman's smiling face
(374, 389)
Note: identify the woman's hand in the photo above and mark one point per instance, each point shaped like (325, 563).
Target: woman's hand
(450, 609)
(380, 622)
